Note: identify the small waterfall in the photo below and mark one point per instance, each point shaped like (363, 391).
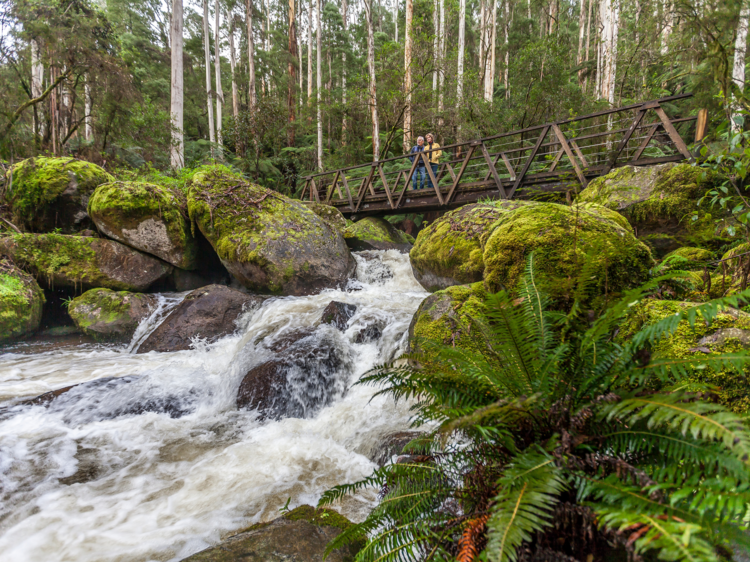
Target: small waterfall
(149, 458)
(164, 305)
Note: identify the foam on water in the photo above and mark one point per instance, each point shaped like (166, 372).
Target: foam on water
(92, 477)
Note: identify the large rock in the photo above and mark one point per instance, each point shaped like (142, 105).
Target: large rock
(301, 535)
(268, 242)
(299, 380)
(371, 233)
(659, 202)
(330, 214)
(728, 333)
(338, 314)
(450, 250)
(446, 317)
(21, 301)
(50, 193)
(563, 240)
(81, 262)
(146, 217)
(687, 258)
(108, 315)
(209, 313)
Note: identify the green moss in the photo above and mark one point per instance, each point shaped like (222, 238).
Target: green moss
(112, 305)
(322, 517)
(376, 232)
(563, 238)
(59, 259)
(331, 215)
(446, 317)
(37, 183)
(452, 247)
(21, 301)
(122, 206)
(687, 258)
(685, 343)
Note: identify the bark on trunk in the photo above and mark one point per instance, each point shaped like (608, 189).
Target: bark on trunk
(407, 73)
(490, 91)
(666, 32)
(581, 33)
(435, 30)
(88, 129)
(318, 82)
(372, 85)
(461, 46)
(344, 121)
(37, 79)
(251, 94)
(207, 53)
(441, 49)
(588, 42)
(217, 70)
(309, 53)
(177, 153)
(395, 19)
(506, 76)
(740, 50)
(233, 65)
(292, 72)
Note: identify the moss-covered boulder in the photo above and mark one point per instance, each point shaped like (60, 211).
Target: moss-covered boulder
(659, 201)
(371, 233)
(447, 315)
(45, 194)
(268, 242)
(300, 535)
(688, 259)
(728, 333)
(21, 301)
(146, 217)
(450, 251)
(109, 315)
(563, 240)
(330, 214)
(81, 262)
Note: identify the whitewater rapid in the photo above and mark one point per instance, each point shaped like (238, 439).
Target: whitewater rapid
(83, 481)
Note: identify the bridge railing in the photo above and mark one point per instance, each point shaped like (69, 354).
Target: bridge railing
(537, 159)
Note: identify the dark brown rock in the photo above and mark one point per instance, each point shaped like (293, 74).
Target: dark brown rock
(301, 535)
(369, 333)
(108, 315)
(337, 314)
(209, 312)
(392, 445)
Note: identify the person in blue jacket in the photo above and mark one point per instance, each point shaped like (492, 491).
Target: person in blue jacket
(420, 171)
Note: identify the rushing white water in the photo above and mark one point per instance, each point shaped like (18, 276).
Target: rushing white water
(91, 478)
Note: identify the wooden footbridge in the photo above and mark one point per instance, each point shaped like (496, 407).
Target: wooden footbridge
(535, 162)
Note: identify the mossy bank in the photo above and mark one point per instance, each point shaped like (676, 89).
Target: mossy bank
(21, 302)
(268, 242)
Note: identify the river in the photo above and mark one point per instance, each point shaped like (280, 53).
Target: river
(87, 479)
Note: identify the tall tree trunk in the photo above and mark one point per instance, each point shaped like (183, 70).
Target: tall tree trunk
(666, 32)
(740, 50)
(588, 42)
(233, 65)
(344, 121)
(395, 19)
(581, 33)
(292, 71)
(53, 113)
(207, 53)
(553, 15)
(373, 101)
(252, 96)
(600, 24)
(37, 80)
(507, 50)
(482, 44)
(489, 90)
(407, 73)
(436, 31)
(300, 66)
(461, 48)
(309, 53)
(88, 127)
(441, 49)
(610, 23)
(217, 70)
(177, 153)
(318, 82)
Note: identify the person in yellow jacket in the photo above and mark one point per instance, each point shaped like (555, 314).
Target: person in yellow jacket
(434, 157)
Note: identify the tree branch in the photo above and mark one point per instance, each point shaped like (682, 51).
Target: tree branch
(17, 113)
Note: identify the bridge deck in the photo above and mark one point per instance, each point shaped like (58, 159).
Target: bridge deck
(529, 163)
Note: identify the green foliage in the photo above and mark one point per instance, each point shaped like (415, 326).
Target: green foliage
(552, 439)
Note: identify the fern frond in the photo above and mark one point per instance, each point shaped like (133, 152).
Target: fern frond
(468, 547)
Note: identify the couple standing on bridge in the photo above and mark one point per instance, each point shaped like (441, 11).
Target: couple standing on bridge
(420, 171)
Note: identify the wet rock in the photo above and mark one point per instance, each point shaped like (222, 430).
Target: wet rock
(147, 217)
(300, 381)
(393, 445)
(268, 242)
(369, 333)
(21, 302)
(108, 315)
(371, 233)
(659, 202)
(301, 535)
(209, 313)
(337, 314)
(191, 280)
(80, 262)
(50, 193)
